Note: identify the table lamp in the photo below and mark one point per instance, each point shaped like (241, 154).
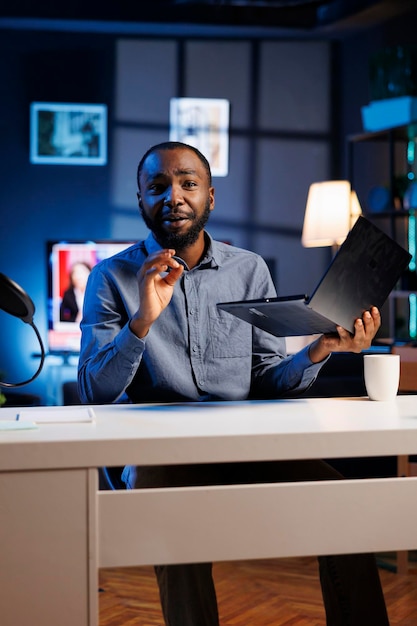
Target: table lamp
(331, 211)
(14, 300)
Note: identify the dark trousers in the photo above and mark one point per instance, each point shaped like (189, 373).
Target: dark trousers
(352, 593)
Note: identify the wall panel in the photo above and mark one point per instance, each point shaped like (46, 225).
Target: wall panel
(221, 69)
(145, 79)
(285, 170)
(294, 93)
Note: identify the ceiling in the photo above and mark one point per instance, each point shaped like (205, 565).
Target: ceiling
(304, 16)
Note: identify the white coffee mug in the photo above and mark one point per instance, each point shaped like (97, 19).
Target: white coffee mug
(382, 376)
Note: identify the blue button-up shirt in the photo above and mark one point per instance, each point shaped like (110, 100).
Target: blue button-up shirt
(193, 351)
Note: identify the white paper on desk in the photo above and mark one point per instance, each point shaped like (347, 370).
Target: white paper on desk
(42, 416)
(15, 425)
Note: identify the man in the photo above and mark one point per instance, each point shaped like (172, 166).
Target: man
(152, 332)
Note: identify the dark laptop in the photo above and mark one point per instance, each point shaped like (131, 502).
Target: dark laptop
(362, 274)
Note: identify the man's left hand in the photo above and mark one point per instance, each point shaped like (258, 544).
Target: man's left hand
(344, 341)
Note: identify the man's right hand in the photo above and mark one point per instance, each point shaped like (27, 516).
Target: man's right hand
(155, 290)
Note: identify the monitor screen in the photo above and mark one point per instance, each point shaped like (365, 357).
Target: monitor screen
(69, 264)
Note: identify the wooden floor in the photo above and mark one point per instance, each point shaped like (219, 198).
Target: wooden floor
(276, 592)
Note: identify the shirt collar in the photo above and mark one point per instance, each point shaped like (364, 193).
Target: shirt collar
(210, 259)
(151, 245)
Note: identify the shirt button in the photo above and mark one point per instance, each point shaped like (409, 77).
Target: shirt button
(195, 348)
(201, 383)
(192, 311)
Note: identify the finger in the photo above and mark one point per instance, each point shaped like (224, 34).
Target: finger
(172, 263)
(160, 261)
(372, 323)
(358, 339)
(343, 333)
(376, 316)
(340, 332)
(353, 342)
(368, 321)
(360, 329)
(172, 276)
(161, 256)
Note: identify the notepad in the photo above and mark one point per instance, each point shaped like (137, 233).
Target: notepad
(58, 416)
(16, 425)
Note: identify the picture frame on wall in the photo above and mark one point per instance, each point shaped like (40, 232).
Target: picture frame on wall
(204, 124)
(68, 133)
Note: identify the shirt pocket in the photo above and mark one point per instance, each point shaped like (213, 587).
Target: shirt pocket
(229, 336)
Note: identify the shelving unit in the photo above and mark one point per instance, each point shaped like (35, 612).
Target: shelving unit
(398, 222)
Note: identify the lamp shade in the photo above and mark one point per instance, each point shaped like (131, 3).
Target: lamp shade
(332, 209)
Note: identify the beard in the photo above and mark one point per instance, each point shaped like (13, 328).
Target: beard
(178, 241)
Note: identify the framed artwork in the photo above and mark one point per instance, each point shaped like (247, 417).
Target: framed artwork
(68, 134)
(204, 124)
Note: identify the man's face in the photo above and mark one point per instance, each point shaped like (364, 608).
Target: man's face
(175, 197)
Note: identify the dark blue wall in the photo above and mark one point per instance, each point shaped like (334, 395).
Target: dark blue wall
(41, 202)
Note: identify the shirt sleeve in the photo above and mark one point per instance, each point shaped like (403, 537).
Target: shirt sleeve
(274, 373)
(110, 353)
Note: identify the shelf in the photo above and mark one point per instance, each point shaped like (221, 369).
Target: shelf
(393, 213)
(399, 133)
(400, 293)
(402, 316)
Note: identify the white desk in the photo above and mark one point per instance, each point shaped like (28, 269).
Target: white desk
(56, 529)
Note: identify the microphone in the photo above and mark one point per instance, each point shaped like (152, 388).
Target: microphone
(15, 301)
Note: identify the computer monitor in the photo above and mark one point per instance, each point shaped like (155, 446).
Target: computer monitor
(68, 266)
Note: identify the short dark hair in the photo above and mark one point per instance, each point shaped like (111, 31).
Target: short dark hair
(172, 145)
